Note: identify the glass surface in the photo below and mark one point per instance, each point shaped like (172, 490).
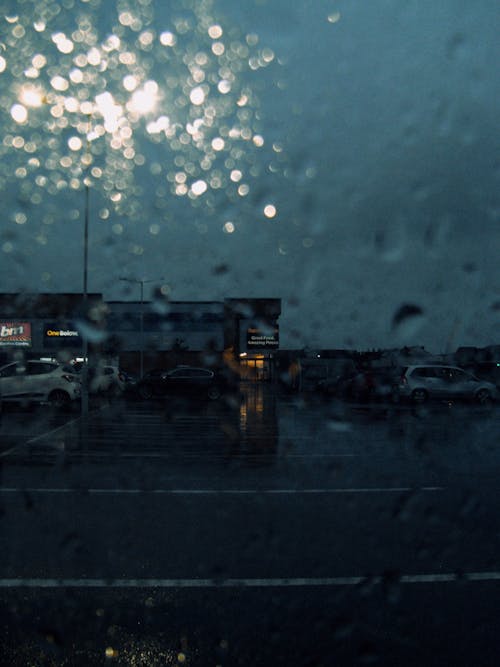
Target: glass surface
(291, 203)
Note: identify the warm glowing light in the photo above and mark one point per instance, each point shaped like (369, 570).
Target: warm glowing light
(64, 45)
(167, 39)
(199, 187)
(215, 31)
(197, 95)
(75, 143)
(146, 38)
(76, 75)
(130, 82)
(270, 211)
(59, 83)
(229, 227)
(31, 97)
(71, 104)
(144, 101)
(94, 57)
(109, 110)
(96, 84)
(218, 48)
(218, 144)
(224, 86)
(19, 113)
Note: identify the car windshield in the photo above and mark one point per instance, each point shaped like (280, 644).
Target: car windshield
(249, 279)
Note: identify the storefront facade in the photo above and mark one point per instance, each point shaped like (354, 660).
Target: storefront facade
(139, 336)
(49, 325)
(253, 333)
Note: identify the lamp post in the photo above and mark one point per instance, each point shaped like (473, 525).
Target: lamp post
(141, 282)
(85, 369)
(111, 116)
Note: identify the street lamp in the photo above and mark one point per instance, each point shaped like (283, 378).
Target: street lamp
(141, 282)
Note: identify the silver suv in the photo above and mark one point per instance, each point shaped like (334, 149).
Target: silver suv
(38, 381)
(420, 383)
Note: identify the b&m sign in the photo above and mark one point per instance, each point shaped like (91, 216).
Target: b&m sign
(15, 334)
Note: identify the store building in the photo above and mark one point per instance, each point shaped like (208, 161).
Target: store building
(242, 334)
(146, 335)
(50, 325)
(252, 333)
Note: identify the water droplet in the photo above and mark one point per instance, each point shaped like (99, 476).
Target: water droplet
(91, 333)
(407, 320)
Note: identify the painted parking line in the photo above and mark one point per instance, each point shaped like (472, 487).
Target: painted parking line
(48, 434)
(273, 582)
(216, 492)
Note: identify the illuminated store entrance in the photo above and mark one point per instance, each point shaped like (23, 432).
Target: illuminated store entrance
(256, 368)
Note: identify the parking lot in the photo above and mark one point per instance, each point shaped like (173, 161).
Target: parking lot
(343, 533)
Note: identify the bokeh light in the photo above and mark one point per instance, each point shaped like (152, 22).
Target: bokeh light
(96, 92)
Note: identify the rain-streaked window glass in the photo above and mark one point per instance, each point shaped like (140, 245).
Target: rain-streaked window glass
(249, 332)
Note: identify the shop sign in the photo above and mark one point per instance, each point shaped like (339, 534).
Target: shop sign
(15, 333)
(259, 339)
(55, 335)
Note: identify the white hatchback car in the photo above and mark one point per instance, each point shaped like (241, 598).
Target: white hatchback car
(38, 381)
(420, 383)
(102, 378)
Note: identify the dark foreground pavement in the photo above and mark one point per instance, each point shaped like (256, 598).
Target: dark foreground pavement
(274, 533)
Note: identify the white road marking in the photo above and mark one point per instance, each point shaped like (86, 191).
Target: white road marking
(277, 582)
(214, 492)
(48, 434)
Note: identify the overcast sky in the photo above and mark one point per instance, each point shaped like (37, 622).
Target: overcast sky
(370, 127)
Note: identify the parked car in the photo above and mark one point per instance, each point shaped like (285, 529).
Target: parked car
(129, 382)
(337, 371)
(187, 381)
(334, 371)
(487, 370)
(368, 384)
(103, 378)
(423, 382)
(39, 381)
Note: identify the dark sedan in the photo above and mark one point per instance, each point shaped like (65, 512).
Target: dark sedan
(182, 381)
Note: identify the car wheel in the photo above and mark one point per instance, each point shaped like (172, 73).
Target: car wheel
(145, 392)
(213, 393)
(483, 397)
(59, 398)
(419, 396)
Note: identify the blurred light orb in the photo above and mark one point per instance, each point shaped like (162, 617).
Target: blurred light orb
(31, 97)
(75, 143)
(59, 83)
(218, 144)
(98, 83)
(167, 39)
(197, 96)
(224, 86)
(215, 31)
(199, 187)
(19, 113)
(270, 211)
(130, 83)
